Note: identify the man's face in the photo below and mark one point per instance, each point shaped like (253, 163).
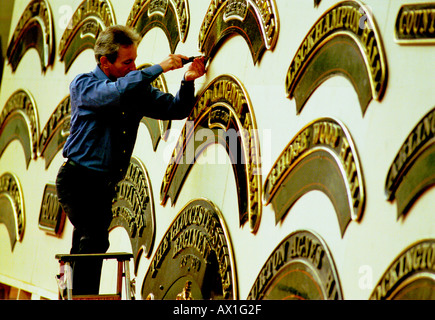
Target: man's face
(123, 64)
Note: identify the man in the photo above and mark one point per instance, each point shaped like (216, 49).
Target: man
(107, 105)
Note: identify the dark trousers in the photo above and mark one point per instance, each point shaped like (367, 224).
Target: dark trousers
(86, 197)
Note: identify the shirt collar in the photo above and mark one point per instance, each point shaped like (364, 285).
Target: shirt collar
(100, 74)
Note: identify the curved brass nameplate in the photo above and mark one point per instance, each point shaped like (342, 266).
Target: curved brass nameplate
(12, 207)
(34, 30)
(300, 268)
(322, 157)
(411, 276)
(133, 209)
(256, 21)
(194, 260)
(344, 41)
(56, 131)
(172, 16)
(90, 18)
(19, 121)
(413, 169)
(224, 112)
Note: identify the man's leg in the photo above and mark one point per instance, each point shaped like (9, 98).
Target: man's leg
(87, 200)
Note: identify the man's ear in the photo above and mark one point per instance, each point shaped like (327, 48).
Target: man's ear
(104, 63)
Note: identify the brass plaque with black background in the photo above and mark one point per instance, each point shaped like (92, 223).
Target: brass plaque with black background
(51, 216)
(323, 157)
(133, 209)
(413, 169)
(256, 21)
(90, 18)
(411, 276)
(344, 41)
(194, 260)
(300, 268)
(415, 24)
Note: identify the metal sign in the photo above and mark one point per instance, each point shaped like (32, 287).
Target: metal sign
(256, 21)
(413, 169)
(56, 131)
(411, 276)
(300, 268)
(415, 24)
(133, 209)
(344, 41)
(34, 30)
(51, 215)
(12, 207)
(90, 18)
(194, 260)
(224, 110)
(19, 120)
(172, 16)
(322, 156)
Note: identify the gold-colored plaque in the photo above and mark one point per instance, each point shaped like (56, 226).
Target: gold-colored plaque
(34, 30)
(322, 156)
(19, 120)
(300, 268)
(411, 276)
(12, 207)
(51, 216)
(56, 131)
(194, 261)
(415, 24)
(413, 169)
(158, 129)
(224, 110)
(172, 16)
(133, 209)
(90, 18)
(344, 41)
(255, 20)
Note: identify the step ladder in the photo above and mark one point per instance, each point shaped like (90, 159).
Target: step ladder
(65, 275)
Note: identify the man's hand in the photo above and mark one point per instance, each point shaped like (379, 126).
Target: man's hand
(196, 69)
(174, 61)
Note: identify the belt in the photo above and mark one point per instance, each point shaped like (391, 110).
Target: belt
(93, 173)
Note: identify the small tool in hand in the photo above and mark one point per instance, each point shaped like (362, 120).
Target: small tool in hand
(189, 60)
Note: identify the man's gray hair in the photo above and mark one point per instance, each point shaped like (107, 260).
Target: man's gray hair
(111, 39)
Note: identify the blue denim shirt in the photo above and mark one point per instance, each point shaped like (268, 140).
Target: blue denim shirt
(105, 116)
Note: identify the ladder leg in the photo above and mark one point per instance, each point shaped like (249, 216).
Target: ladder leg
(127, 279)
(68, 274)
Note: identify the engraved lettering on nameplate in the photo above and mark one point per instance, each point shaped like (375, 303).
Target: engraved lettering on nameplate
(413, 169)
(51, 216)
(34, 30)
(172, 16)
(300, 268)
(344, 41)
(255, 20)
(194, 260)
(224, 109)
(90, 18)
(411, 276)
(158, 129)
(133, 209)
(322, 156)
(415, 24)
(19, 121)
(56, 131)
(12, 207)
